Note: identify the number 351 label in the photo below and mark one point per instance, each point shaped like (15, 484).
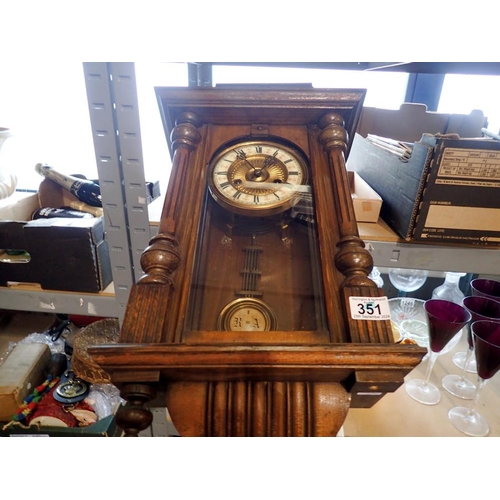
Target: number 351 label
(372, 308)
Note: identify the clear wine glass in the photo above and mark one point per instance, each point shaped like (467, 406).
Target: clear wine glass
(481, 308)
(407, 280)
(445, 320)
(486, 339)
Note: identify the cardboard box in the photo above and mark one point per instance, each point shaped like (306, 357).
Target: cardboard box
(447, 192)
(22, 370)
(412, 120)
(366, 201)
(60, 254)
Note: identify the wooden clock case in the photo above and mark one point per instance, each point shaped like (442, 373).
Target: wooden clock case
(295, 381)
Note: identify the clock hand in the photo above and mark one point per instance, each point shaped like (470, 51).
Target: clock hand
(249, 163)
(242, 156)
(269, 160)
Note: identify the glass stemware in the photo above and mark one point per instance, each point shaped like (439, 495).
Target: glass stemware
(459, 385)
(376, 277)
(445, 320)
(481, 308)
(485, 288)
(407, 280)
(482, 287)
(486, 339)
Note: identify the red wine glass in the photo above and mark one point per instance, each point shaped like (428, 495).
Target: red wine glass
(445, 320)
(481, 308)
(484, 288)
(486, 339)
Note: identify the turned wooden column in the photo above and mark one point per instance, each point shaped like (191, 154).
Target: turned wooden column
(352, 259)
(149, 300)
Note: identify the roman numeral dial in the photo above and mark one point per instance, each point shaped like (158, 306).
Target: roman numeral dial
(257, 178)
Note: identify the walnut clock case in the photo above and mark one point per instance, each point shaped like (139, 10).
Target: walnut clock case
(242, 321)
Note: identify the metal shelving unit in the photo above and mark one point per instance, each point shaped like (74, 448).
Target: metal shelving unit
(435, 257)
(114, 115)
(47, 301)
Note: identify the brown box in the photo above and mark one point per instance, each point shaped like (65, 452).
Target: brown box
(366, 201)
(22, 370)
(447, 192)
(61, 254)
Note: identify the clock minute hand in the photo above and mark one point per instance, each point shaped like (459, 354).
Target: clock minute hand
(241, 155)
(250, 164)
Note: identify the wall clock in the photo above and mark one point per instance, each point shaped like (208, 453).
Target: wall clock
(243, 322)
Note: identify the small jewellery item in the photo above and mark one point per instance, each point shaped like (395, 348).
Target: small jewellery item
(71, 389)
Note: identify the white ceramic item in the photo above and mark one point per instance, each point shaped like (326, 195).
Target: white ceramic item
(8, 181)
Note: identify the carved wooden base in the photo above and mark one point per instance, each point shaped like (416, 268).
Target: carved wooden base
(257, 409)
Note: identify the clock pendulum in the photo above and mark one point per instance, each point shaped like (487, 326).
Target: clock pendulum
(248, 312)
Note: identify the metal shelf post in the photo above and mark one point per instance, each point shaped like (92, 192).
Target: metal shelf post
(114, 116)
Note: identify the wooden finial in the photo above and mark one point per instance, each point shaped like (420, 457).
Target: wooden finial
(160, 259)
(333, 134)
(133, 417)
(186, 131)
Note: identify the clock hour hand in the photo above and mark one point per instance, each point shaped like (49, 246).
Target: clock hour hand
(269, 160)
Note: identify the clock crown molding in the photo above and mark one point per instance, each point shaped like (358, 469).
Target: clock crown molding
(252, 104)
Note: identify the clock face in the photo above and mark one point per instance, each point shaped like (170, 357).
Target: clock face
(258, 178)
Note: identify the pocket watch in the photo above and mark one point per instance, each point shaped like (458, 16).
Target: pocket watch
(257, 178)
